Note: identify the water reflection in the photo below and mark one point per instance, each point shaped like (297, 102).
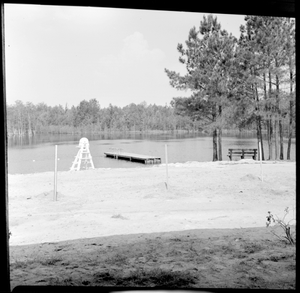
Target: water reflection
(36, 154)
(25, 141)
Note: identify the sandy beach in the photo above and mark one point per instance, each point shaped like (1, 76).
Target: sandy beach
(103, 202)
(112, 227)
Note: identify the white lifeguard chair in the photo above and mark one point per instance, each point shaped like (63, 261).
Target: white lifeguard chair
(83, 158)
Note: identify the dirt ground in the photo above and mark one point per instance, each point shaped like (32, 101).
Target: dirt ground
(210, 258)
(123, 227)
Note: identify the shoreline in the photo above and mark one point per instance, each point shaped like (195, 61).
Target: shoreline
(185, 164)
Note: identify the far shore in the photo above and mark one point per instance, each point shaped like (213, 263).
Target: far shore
(138, 131)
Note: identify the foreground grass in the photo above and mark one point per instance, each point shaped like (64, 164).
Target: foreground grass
(240, 258)
(136, 278)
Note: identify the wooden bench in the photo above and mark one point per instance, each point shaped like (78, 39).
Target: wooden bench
(242, 153)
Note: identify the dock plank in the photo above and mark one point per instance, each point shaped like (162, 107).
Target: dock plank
(131, 156)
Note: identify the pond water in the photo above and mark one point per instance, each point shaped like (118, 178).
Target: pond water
(36, 154)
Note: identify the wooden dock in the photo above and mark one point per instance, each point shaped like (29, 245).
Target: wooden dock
(133, 157)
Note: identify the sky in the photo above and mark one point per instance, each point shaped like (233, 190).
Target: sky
(61, 55)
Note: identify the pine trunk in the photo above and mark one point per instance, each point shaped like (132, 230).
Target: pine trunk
(281, 140)
(270, 138)
(276, 136)
(215, 145)
(259, 137)
(291, 114)
(220, 143)
(258, 122)
(215, 134)
(266, 110)
(288, 155)
(278, 118)
(220, 135)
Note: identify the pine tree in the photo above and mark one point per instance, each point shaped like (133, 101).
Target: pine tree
(265, 57)
(208, 59)
(290, 49)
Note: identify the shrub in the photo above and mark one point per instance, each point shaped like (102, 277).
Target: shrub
(285, 226)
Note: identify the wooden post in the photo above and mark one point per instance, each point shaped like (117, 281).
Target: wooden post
(55, 175)
(167, 175)
(260, 158)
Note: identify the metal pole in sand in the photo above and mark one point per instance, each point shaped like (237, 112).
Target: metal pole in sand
(260, 158)
(167, 175)
(55, 175)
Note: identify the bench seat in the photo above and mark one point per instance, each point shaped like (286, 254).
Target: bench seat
(242, 153)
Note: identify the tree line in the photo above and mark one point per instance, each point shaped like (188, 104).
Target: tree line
(89, 117)
(240, 82)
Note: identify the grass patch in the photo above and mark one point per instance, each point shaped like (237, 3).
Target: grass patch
(50, 261)
(33, 262)
(250, 247)
(21, 264)
(136, 278)
(118, 259)
(148, 278)
(69, 281)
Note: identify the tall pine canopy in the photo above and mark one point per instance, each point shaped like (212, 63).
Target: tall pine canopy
(209, 60)
(240, 83)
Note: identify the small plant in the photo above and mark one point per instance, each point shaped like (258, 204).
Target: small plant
(285, 226)
(50, 261)
(119, 216)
